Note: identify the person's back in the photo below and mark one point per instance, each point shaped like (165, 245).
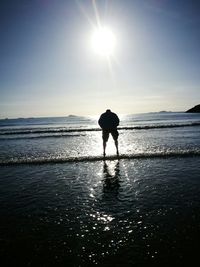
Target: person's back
(109, 121)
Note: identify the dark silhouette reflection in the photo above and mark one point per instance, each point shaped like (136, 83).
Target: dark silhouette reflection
(111, 175)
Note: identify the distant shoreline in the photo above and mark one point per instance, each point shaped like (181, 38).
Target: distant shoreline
(83, 116)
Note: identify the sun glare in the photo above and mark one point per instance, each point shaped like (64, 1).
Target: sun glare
(103, 41)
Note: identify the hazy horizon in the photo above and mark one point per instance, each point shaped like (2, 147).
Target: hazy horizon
(91, 115)
(49, 68)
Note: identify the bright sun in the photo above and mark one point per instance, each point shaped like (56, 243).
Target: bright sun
(103, 41)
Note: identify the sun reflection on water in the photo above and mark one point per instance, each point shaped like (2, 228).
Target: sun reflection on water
(111, 177)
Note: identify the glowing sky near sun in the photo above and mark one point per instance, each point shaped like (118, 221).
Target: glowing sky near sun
(81, 57)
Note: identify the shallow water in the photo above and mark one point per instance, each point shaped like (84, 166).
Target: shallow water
(44, 140)
(112, 213)
(181, 140)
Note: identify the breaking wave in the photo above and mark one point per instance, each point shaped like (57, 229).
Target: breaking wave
(41, 161)
(16, 137)
(70, 130)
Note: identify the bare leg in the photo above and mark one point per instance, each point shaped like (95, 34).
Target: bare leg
(104, 148)
(116, 144)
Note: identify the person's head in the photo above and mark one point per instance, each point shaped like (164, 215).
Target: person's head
(108, 110)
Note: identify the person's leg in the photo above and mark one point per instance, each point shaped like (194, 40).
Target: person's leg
(105, 136)
(104, 148)
(115, 135)
(116, 145)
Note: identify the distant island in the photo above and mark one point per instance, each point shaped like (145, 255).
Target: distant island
(195, 109)
(164, 111)
(72, 116)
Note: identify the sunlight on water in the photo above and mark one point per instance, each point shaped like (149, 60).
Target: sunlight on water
(75, 138)
(94, 145)
(102, 218)
(129, 143)
(98, 211)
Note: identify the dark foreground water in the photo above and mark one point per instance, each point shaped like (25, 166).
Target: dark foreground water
(127, 212)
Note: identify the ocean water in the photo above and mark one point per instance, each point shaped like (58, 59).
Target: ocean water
(61, 204)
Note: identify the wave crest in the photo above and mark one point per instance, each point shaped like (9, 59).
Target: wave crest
(70, 130)
(41, 161)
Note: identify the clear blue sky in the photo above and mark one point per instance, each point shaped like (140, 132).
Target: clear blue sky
(47, 66)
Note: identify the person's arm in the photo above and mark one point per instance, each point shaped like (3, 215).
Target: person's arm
(117, 120)
(100, 121)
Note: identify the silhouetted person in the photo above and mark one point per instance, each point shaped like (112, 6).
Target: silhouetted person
(109, 121)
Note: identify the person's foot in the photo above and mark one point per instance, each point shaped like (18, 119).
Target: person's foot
(104, 154)
(117, 153)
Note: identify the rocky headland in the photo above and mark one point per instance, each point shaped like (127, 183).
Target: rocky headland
(195, 109)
